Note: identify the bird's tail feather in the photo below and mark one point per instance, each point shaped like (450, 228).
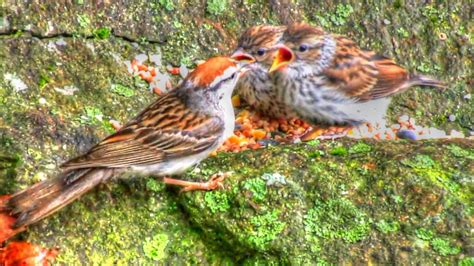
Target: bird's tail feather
(422, 80)
(43, 199)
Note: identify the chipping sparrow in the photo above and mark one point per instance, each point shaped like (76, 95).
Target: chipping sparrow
(256, 87)
(169, 136)
(327, 78)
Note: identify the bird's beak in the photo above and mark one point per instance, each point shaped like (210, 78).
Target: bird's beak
(283, 57)
(243, 57)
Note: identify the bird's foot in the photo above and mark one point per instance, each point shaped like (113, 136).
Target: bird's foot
(333, 132)
(214, 182)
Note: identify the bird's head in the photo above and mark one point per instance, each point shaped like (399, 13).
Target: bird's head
(215, 77)
(255, 44)
(301, 44)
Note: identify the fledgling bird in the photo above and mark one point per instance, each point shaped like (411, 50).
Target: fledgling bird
(328, 79)
(174, 133)
(256, 87)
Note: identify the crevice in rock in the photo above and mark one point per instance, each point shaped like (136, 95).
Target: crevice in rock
(30, 33)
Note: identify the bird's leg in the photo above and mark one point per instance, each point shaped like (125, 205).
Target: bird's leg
(214, 182)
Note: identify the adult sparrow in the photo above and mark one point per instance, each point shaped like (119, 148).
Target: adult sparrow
(257, 87)
(169, 136)
(327, 78)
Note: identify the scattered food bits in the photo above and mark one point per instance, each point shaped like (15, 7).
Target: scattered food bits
(174, 70)
(142, 68)
(24, 253)
(259, 134)
(236, 101)
(157, 91)
(152, 71)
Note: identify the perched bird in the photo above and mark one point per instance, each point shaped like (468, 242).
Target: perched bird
(169, 136)
(328, 79)
(256, 87)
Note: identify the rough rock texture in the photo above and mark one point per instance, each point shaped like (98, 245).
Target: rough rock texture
(63, 76)
(331, 202)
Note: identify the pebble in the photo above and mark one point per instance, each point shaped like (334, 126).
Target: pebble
(452, 118)
(387, 22)
(268, 142)
(407, 134)
(42, 101)
(467, 96)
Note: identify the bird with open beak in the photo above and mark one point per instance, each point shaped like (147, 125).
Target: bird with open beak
(256, 87)
(328, 79)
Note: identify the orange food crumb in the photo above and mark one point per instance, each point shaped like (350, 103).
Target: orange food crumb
(152, 71)
(259, 134)
(142, 67)
(157, 91)
(236, 101)
(174, 71)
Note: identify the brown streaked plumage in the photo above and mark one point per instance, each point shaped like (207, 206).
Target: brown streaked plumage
(327, 78)
(169, 136)
(256, 87)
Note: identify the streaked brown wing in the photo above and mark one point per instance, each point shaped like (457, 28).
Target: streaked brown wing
(364, 75)
(165, 130)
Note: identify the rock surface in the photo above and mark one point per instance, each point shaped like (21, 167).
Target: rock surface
(64, 73)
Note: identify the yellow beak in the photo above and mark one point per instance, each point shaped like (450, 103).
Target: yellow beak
(283, 57)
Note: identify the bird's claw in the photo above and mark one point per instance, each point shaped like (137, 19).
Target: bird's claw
(213, 183)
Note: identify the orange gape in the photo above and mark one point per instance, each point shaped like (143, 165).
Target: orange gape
(6, 223)
(26, 254)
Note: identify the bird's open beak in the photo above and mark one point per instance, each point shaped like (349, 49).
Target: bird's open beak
(283, 57)
(243, 57)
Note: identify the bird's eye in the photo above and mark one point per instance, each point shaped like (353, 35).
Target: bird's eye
(233, 76)
(261, 51)
(303, 47)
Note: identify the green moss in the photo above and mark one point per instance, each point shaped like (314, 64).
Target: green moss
(403, 32)
(360, 147)
(460, 152)
(154, 185)
(122, 90)
(424, 234)
(420, 161)
(264, 229)
(43, 81)
(443, 247)
(342, 13)
(83, 20)
(217, 201)
(155, 248)
(102, 33)
(337, 219)
(167, 4)
(466, 262)
(216, 7)
(316, 154)
(388, 226)
(257, 187)
(338, 151)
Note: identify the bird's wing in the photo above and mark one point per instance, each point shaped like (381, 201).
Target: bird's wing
(364, 75)
(165, 130)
